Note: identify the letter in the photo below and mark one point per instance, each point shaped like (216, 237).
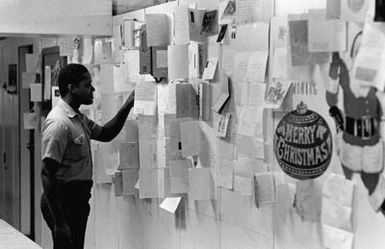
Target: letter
(292, 159)
(318, 155)
(295, 135)
(312, 130)
(300, 135)
(306, 135)
(287, 151)
(324, 150)
(299, 157)
(289, 133)
(280, 145)
(310, 156)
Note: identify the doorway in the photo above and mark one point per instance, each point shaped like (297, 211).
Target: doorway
(26, 153)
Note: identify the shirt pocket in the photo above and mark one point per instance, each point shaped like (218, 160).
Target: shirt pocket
(77, 149)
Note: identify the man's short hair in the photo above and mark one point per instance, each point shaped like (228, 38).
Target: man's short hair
(70, 74)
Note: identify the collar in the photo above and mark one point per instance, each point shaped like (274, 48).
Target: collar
(71, 113)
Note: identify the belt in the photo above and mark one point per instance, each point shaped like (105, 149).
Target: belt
(364, 127)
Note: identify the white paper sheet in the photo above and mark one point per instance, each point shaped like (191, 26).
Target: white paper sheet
(210, 68)
(308, 200)
(336, 214)
(179, 176)
(157, 30)
(250, 121)
(252, 37)
(47, 83)
(201, 183)
(370, 60)
(264, 190)
(256, 70)
(148, 150)
(32, 63)
(243, 184)
(27, 79)
(30, 121)
(241, 63)
(130, 177)
(149, 186)
(170, 204)
(337, 188)
(335, 238)
(190, 136)
(36, 92)
(333, 9)
(279, 32)
(178, 62)
(253, 11)
(186, 101)
(325, 35)
(181, 25)
(225, 173)
(228, 58)
(145, 99)
(66, 46)
(128, 155)
(280, 63)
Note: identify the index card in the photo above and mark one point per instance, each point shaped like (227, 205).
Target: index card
(148, 157)
(149, 187)
(256, 70)
(186, 101)
(181, 25)
(279, 31)
(30, 121)
(225, 173)
(179, 176)
(333, 9)
(178, 62)
(170, 204)
(243, 184)
(190, 137)
(325, 35)
(337, 188)
(201, 183)
(336, 214)
(47, 83)
(250, 121)
(32, 63)
(27, 79)
(118, 183)
(145, 99)
(128, 156)
(36, 92)
(210, 68)
(157, 30)
(264, 190)
(66, 46)
(276, 93)
(370, 60)
(252, 37)
(335, 238)
(223, 124)
(129, 178)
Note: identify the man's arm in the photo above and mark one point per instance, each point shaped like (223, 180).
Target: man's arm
(51, 191)
(112, 128)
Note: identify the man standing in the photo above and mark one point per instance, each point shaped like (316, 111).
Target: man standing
(66, 156)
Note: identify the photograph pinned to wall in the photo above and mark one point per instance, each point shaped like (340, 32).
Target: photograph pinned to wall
(228, 15)
(276, 93)
(209, 23)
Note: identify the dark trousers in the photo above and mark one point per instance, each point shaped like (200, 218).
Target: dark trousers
(74, 197)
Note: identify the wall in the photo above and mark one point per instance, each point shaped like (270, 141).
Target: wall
(231, 221)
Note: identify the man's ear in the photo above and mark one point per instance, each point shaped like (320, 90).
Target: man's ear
(71, 88)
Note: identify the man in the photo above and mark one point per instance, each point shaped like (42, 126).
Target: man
(66, 156)
(359, 138)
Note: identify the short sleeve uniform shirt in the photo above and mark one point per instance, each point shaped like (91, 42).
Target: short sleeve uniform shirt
(66, 136)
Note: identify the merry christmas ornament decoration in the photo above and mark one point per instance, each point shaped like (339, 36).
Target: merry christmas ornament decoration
(303, 144)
